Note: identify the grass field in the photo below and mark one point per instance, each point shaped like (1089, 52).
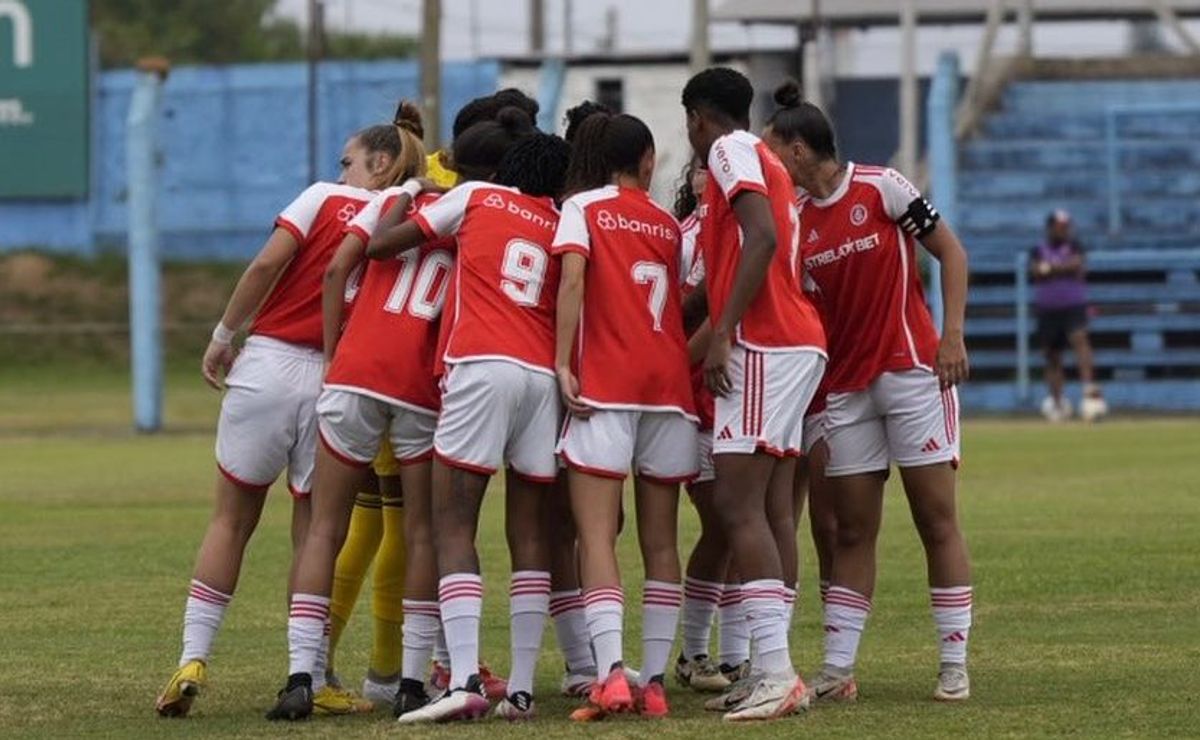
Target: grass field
(1086, 546)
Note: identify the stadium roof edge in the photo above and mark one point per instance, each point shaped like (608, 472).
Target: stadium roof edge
(626, 57)
(857, 13)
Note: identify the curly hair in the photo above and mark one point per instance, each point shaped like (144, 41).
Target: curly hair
(536, 165)
(720, 89)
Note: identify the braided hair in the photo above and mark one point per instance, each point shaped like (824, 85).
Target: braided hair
(605, 145)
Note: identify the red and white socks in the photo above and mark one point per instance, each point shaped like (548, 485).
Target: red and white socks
(733, 632)
(766, 614)
(422, 623)
(952, 615)
(529, 604)
(846, 614)
(460, 596)
(202, 617)
(789, 603)
(307, 618)
(660, 617)
(604, 609)
(701, 599)
(570, 626)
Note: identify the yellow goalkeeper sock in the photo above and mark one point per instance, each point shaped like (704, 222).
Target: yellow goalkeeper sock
(388, 598)
(362, 542)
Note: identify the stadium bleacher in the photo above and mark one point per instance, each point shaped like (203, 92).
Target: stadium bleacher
(1048, 145)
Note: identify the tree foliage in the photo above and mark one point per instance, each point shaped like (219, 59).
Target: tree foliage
(219, 32)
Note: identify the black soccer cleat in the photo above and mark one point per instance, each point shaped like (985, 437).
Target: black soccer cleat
(295, 701)
(410, 697)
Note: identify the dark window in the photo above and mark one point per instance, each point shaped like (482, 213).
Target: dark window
(610, 91)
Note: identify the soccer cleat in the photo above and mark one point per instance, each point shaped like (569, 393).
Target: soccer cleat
(409, 697)
(771, 699)
(494, 687)
(517, 707)
(611, 697)
(953, 683)
(439, 678)
(295, 701)
(577, 684)
(700, 674)
(653, 702)
(735, 673)
(182, 689)
(833, 685)
(1092, 406)
(458, 704)
(330, 700)
(737, 693)
(380, 693)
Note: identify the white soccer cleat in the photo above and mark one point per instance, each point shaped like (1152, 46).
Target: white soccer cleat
(738, 692)
(833, 685)
(458, 704)
(516, 708)
(381, 694)
(953, 683)
(1056, 412)
(772, 698)
(700, 674)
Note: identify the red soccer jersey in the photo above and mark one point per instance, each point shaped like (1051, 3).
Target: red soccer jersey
(631, 315)
(388, 348)
(317, 219)
(864, 265)
(779, 318)
(693, 268)
(505, 281)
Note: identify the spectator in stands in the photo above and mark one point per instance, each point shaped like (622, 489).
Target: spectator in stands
(1058, 270)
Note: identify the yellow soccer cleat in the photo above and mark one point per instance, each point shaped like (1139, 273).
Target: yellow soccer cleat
(331, 700)
(184, 686)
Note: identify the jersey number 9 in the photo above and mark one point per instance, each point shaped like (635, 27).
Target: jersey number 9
(524, 271)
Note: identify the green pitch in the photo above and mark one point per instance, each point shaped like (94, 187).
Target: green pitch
(1086, 547)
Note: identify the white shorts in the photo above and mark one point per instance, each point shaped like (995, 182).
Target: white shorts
(707, 471)
(353, 426)
(904, 417)
(496, 412)
(765, 410)
(268, 416)
(814, 430)
(657, 445)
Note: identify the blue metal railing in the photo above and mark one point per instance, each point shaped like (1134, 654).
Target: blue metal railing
(943, 161)
(1113, 144)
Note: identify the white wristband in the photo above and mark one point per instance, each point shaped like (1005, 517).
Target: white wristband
(412, 187)
(222, 334)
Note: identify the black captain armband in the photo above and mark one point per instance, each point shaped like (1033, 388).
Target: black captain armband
(920, 218)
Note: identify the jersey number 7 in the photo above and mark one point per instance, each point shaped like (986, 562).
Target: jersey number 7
(653, 274)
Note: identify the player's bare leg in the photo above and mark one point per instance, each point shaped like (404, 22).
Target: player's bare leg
(596, 506)
(931, 498)
(858, 503)
(783, 514)
(703, 591)
(529, 590)
(1092, 405)
(822, 518)
(1057, 410)
(218, 563)
(422, 620)
(566, 597)
(334, 488)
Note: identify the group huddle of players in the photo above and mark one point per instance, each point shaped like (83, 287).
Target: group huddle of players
(519, 301)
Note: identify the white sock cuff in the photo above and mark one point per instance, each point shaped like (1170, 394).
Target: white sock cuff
(530, 583)
(460, 586)
(954, 597)
(417, 607)
(562, 603)
(309, 606)
(662, 594)
(695, 589)
(844, 597)
(202, 592)
(605, 597)
(763, 589)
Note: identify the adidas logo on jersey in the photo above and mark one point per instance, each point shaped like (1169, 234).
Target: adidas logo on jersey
(498, 201)
(931, 446)
(610, 222)
(813, 238)
(726, 433)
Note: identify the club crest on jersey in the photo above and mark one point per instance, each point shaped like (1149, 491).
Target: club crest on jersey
(347, 213)
(609, 221)
(858, 214)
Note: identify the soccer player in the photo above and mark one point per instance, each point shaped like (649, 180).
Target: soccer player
(892, 395)
(268, 418)
(619, 308)
(707, 586)
(764, 362)
(500, 403)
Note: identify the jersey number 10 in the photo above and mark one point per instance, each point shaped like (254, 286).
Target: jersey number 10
(431, 277)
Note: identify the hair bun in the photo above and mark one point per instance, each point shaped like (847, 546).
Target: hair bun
(789, 95)
(408, 117)
(514, 120)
